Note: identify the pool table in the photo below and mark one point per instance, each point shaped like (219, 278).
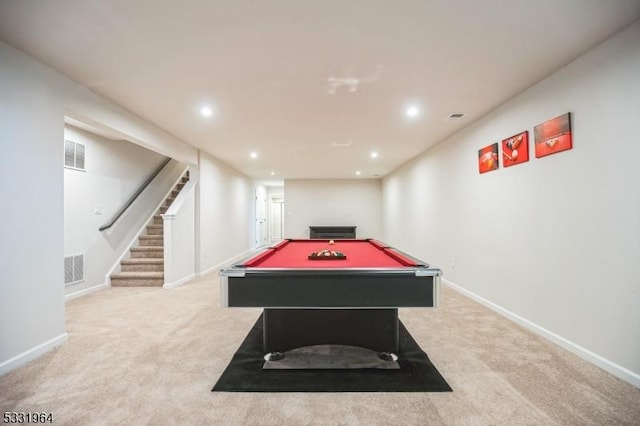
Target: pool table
(352, 301)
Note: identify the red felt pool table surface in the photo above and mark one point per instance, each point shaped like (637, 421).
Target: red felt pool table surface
(359, 253)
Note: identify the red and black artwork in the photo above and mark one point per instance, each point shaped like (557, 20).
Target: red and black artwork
(515, 150)
(553, 136)
(488, 158)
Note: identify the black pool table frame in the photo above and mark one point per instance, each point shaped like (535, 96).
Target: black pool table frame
(347, 306)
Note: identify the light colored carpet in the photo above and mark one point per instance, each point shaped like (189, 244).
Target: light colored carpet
(151, 356)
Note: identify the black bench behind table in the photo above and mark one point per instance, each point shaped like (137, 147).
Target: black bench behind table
(332, 232)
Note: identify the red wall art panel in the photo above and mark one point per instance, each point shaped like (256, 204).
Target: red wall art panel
(488, 158)
(553, 136)
(515, 150)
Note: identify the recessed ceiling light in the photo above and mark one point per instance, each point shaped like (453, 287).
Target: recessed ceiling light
(342, 144)
(412, 111)
(374, 154)
(273, 173)
(254, 154)
(358, 173)
(206, 111)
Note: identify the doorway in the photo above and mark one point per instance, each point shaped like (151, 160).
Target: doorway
(276, 218)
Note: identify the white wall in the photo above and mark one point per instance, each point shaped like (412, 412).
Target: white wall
(33, 102)
(225, 208)
(31, 247)
(114, 170)
(556, 240)
(310, 202)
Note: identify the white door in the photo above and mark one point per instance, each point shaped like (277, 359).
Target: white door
(261, 216)
(276, 218)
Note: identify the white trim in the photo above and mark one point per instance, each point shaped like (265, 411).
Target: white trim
(31, 354)
(180, 282)
(230, 260)
(608, 366)
(85, 291)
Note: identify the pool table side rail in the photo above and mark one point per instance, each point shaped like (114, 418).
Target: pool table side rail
(352, 290)
(340, 292)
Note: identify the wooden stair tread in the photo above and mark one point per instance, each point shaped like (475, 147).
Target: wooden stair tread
(147, 248)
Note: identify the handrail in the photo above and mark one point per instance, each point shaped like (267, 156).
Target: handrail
(131, 199)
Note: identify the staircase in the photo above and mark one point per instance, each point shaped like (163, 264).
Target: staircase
(145, 266)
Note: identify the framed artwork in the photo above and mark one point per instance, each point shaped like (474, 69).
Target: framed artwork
(515, 150)
(553, 136)
(488, 158)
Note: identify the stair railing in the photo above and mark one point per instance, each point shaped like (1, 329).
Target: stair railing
(135, 195)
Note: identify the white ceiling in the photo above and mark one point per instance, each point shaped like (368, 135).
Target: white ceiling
(290, 79)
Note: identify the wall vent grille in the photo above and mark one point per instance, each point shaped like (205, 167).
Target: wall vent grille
(73, 269)
(74, 155)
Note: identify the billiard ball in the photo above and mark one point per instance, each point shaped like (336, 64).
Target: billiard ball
(330, 241)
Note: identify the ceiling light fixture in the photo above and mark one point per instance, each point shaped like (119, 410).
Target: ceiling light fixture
(412, 111)
(206, 111)
(254, 154)
(374, 154)
(358, 173)
(273, 173)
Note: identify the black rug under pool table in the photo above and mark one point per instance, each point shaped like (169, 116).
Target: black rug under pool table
(245, 372)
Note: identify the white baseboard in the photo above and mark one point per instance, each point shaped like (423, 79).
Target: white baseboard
(608, 366)
(85, 291)
(229, 261)
(179, 282)
(31, 354)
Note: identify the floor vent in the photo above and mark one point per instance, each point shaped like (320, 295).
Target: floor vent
(73, 269)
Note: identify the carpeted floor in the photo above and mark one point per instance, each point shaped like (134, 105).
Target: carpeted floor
(150, 356)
